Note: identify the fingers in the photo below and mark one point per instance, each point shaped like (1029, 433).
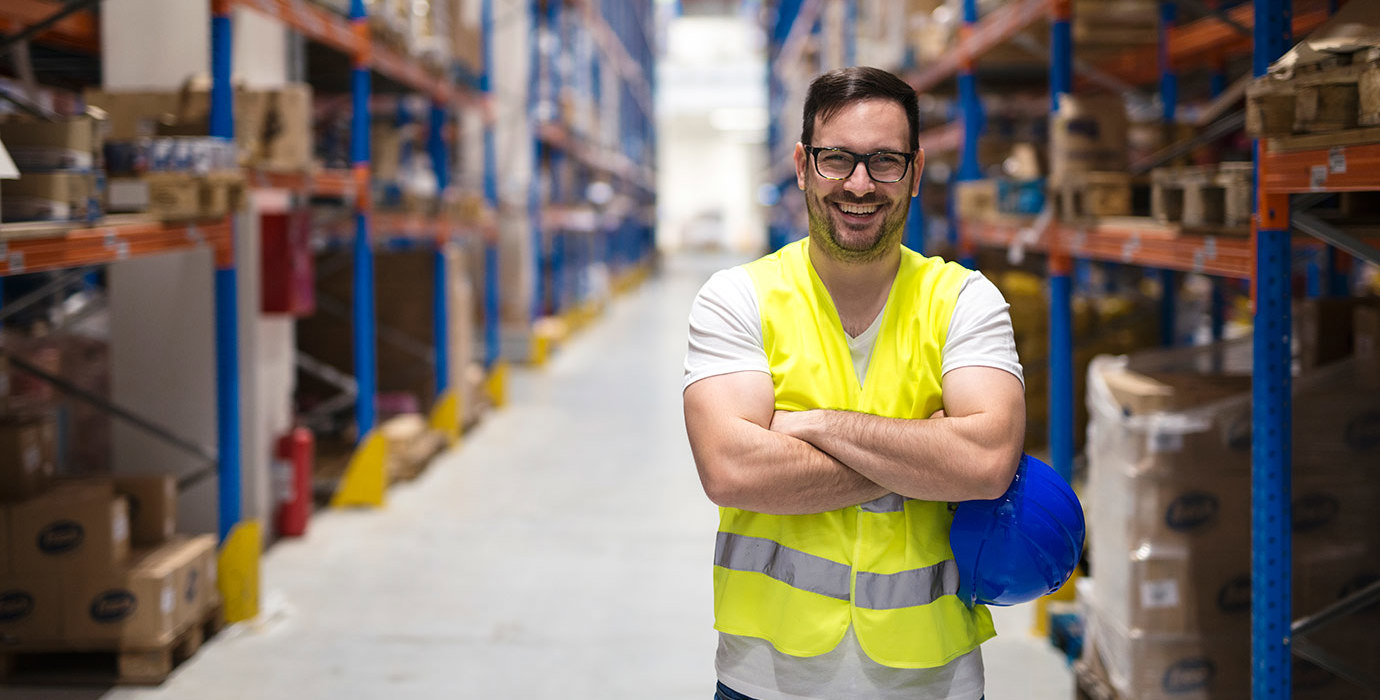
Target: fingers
(938, 414)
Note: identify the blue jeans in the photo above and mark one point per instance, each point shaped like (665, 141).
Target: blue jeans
(724, 692)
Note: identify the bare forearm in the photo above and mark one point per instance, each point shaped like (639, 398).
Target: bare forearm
(938, 459)
(768, 472)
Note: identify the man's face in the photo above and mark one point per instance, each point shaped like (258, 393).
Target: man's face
(858, 219)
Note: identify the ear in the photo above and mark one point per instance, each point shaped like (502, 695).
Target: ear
(918, 167)
(801, 162)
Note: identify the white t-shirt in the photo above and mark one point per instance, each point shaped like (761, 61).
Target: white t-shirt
(725, 337)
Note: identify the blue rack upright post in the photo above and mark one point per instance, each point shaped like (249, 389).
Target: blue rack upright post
(491, 300)
(969, 169)
(1061, 413)
(366, 370)
(227, 312)
(440, 306)
(1169, 99)
(1271, 414)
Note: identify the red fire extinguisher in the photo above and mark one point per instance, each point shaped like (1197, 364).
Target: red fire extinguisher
(295, 457)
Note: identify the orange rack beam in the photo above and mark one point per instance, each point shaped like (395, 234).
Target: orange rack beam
(1339, 169)
(78, 30)
(315, 22)
(36, 247)
(1191, 44)
(1149, 246)
(994, 29)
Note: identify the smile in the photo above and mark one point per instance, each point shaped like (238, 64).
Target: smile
(857, 209)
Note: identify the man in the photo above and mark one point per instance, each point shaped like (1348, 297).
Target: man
(839, 393)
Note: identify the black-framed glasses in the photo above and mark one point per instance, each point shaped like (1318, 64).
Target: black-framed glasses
(882, 166)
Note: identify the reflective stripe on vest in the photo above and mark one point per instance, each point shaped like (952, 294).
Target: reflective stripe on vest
(883, 567)
(808, 572)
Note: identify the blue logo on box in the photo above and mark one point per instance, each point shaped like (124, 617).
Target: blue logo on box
(61, 537)
(1187, 675)
(113, 606)
(1191, 511)
(1363, 432)
(1235, 596)
(15, 606)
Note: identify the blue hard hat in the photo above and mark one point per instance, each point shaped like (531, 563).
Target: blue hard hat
(1021, 546)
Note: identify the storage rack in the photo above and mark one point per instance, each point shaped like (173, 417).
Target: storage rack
(595, 39)
(1264, 259)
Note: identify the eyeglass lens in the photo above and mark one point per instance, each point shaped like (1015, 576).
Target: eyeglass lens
(882, 167)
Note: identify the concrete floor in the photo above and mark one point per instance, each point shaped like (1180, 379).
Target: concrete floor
(560, 552)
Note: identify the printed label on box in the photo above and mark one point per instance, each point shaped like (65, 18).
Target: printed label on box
(1164, 441)
(1159, 594)
(166, 600)
(119, 526)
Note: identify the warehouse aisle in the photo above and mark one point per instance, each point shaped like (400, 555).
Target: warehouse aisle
(561, 552)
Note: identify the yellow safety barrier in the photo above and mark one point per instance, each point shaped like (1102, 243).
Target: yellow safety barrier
(237, 570)
(366, 478)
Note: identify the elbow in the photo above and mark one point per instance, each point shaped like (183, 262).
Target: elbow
(998, 472)
(719, 485)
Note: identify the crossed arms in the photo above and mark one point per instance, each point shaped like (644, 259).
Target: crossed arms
(754, 458)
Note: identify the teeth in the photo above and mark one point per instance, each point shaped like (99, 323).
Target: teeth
(855, 209)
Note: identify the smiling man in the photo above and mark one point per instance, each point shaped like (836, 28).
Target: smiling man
(839, 393)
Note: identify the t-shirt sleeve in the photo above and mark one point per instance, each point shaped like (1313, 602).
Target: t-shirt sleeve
(980, 332)
(725, 328)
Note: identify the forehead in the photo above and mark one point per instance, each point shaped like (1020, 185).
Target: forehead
(865, 126)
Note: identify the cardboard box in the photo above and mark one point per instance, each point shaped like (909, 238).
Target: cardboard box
(30, 608)
(1087, 134)
(4, 541)
(28, 453)
(73, 528)
(37, 146)
(185, 556)
(1175, 591)
(133, 606)
(55, 196)
(152, 508)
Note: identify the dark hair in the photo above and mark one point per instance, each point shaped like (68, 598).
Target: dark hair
(838, 88)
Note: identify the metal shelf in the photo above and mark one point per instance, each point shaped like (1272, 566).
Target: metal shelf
(45, 246)
(1193, 44)
(77, 31)
(1147, 244)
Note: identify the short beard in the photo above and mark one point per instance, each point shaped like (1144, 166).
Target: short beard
(824, 235)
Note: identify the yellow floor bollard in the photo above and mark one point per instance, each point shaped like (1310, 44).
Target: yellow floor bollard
(495, 385)
(237, 571)
(445, 417)
(366, 478)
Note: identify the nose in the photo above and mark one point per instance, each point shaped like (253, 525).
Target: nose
(859, 182)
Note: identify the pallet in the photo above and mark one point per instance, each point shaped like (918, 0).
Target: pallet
(1203, 197)
(1089, 684)
(1339, 94)
(70, 663)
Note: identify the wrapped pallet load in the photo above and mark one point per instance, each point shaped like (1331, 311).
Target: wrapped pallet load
(1169, 493)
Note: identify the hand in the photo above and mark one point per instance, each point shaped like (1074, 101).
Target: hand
(938, 414)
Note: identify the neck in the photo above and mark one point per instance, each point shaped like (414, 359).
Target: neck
(859, 290)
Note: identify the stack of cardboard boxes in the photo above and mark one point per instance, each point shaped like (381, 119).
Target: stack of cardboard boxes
(59, 167)
(1169, 492)
(94, 564)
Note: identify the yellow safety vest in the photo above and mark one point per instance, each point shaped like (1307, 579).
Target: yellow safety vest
(885, 566)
